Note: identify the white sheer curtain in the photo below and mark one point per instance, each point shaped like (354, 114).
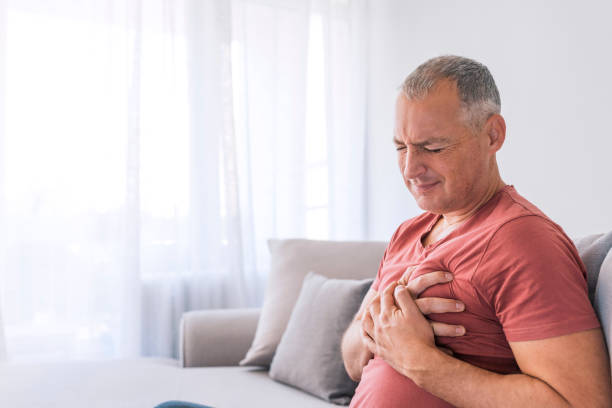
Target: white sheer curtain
(2, 199)
(148, 150)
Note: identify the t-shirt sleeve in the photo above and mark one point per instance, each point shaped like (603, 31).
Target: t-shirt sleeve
(533, 278)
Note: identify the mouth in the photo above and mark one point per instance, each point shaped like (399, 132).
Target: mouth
(423, 188)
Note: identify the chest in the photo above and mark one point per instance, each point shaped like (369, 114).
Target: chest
(460, 256)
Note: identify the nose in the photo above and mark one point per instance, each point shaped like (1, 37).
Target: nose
(413, 164)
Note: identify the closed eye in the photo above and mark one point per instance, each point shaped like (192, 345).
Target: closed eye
(434, 150)
(398, 148)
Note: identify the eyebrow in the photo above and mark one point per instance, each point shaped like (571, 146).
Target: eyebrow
(430, 141)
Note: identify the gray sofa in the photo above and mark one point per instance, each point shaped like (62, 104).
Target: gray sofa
(212, 344)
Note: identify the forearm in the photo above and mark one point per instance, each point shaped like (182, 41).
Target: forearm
(354, 353)
(464, 385)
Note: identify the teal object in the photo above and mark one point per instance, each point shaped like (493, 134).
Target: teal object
(180, 404)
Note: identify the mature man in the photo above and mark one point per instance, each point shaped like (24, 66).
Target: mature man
(509, 320)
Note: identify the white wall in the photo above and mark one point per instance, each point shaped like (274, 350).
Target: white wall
(552, 62)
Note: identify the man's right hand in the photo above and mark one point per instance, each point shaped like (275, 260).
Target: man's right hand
(355, 352)
(430, 305)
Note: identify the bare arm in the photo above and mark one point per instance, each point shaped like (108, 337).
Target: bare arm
(565, 371)
(355, 353)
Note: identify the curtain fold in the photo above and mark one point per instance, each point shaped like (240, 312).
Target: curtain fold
(2, 197)
(346, 29)
(130, 327)
(149, 151)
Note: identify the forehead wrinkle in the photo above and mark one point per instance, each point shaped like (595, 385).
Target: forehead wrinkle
(429, 132)
(425, 142)
(429, 141)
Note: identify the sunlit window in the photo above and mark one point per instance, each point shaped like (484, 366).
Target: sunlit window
(68, 174)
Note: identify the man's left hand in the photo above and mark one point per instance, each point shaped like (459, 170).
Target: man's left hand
(396, 331)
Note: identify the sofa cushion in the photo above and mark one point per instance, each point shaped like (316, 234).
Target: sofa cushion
(290, 260)
(308, 356)
(593, 249)
(143, 383)
(597, 258)
(603, 299)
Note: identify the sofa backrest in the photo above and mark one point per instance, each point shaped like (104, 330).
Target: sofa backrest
(597, 257)
(603, 299)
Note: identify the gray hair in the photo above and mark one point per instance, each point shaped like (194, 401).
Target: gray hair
(477, 90)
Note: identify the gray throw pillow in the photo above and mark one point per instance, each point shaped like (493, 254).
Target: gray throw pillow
(308, 356)
(290, 260)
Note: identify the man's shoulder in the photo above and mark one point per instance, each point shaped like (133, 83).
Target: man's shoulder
(511, 213)
(510, 204)
(522, 233)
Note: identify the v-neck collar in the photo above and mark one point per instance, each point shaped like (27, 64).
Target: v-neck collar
(467, 222)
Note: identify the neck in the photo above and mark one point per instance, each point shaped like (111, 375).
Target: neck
(457, 217)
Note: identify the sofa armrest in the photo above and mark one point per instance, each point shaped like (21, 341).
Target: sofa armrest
(216, 337)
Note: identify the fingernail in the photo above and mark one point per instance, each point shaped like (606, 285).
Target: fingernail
(449, 276)
(460, 331)
(459, 306)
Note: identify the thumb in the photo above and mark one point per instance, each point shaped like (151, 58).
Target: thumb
(404, 300)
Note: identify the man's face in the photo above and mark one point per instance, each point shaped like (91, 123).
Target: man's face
(445, 165)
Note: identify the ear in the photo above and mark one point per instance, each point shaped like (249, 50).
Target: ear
(495, 130)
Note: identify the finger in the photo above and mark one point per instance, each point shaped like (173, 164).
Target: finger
(368, 341)
(439, 305)
(367, 325)
(447, 351)
(375, 299)
(418, 285)
(449, 330)
(407, 275)
(404, 300)
(387, 301)
(374, 308)
(364, 309)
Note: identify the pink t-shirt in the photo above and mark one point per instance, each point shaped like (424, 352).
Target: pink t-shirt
(518, 274)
